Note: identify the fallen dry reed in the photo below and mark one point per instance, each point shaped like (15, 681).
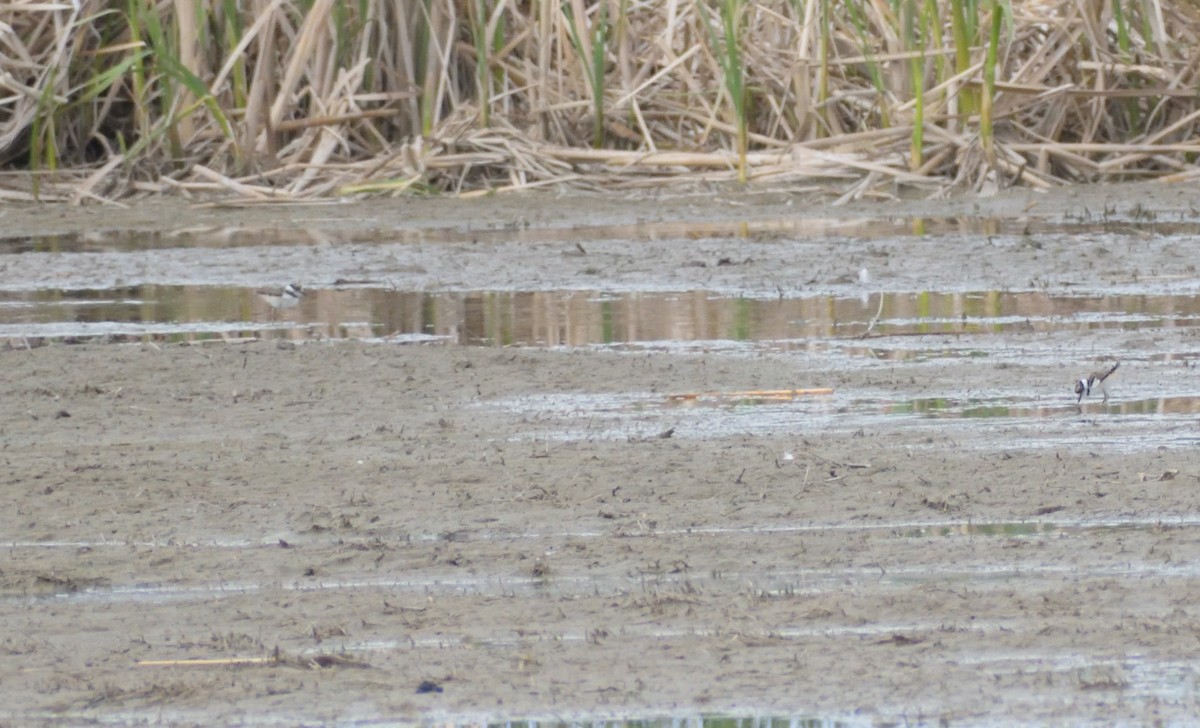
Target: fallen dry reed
(294, 99)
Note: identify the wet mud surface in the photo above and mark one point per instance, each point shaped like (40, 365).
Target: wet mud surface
(468, 529)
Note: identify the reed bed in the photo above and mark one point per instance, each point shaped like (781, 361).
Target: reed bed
(272, 100)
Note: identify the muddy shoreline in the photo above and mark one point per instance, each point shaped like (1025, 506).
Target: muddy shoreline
(1100, 239)
(545, 533)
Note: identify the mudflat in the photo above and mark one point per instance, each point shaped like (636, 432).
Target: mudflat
(342, 531)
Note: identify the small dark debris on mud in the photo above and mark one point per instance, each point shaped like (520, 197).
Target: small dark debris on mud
(428, 686)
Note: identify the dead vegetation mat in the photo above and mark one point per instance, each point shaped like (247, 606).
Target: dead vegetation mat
(277, 100)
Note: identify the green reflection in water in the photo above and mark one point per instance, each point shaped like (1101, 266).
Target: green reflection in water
(428, 313)
(607, 330)
(992, 411)
(743, 317)
(923, 310)
(913, 324)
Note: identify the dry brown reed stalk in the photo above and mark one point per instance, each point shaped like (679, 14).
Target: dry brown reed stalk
(291, 101)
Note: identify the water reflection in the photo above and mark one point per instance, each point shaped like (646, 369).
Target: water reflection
(951, 408)
(682, 721)
(218, 237)
(936, 322)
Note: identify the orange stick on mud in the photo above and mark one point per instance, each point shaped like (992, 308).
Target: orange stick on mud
(210, 662)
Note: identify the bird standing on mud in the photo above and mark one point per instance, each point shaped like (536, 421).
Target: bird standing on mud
(1084, 386)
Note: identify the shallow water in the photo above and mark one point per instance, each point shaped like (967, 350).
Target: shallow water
(999, 420)
(917, 324)
(832, 332)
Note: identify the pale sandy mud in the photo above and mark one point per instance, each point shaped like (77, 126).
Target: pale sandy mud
(544, 533)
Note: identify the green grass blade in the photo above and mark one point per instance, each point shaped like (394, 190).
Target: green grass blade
(600, 33)
(961, 29)
(867, 44)
(101, 82)
(593, 64)
(728, 52)
(43, 152)
(193, 83)
(914, 32)
(478, 18)
(989, 82)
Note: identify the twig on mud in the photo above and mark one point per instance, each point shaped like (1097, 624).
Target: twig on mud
(901, 640)
(782, 394)
(840, 465)
(278, 658)
(875, 320)
(1166, 475)
(664, 435)
(211, 662)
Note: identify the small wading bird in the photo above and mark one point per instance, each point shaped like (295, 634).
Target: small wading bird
(1083, 387)
(285, 297)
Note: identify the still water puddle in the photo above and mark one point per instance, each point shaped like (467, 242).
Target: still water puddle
(944, 407)
(1007, 419)
(903, 326)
